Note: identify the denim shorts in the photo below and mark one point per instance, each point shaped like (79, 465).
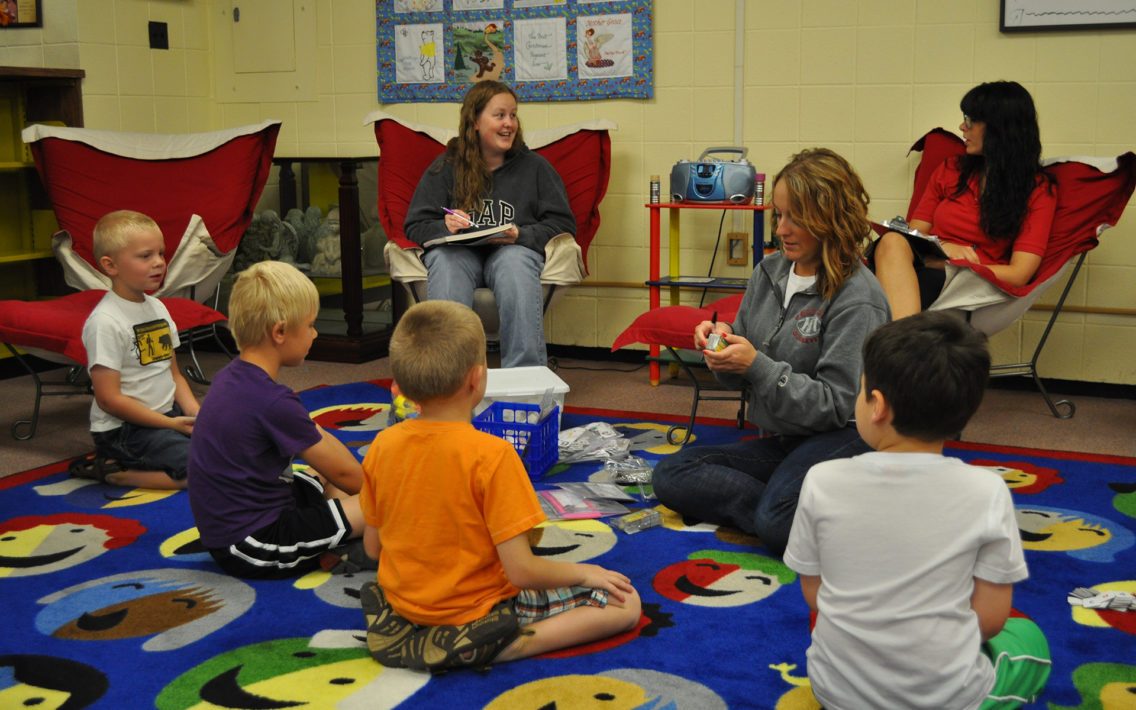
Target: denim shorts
(146, 449)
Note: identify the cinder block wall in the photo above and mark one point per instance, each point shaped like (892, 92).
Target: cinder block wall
(865, 78)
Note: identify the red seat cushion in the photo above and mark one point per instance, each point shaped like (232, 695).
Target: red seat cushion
(57, 325)
(674, 325)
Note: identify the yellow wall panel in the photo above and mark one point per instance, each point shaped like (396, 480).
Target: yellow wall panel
(865, 78)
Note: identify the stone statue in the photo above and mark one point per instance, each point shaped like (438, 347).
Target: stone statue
(305, 222)
(327, 261)
(267, 237)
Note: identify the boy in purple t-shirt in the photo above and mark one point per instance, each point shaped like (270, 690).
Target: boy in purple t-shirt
(257, 516)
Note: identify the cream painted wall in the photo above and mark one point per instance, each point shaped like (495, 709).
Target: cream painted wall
(129, 86)
(865, 78)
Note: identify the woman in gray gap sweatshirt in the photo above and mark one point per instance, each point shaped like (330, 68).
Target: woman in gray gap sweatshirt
(487, 178)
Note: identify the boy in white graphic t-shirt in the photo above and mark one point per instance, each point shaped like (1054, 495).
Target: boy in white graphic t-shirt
(143, 411)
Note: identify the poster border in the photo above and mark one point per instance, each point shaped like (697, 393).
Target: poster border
(638, 86)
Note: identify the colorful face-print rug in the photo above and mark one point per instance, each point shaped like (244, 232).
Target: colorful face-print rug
(109, 601)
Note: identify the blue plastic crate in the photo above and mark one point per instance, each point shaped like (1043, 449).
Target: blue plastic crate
(537, 443)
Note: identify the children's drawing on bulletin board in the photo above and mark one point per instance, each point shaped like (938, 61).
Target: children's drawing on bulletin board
(477, 51)
(418, 50)
(468, 5)
(540, 54)
(405, 6)
(547, 50)
(605, 46)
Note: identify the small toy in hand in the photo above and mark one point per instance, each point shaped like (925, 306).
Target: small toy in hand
(716, 342)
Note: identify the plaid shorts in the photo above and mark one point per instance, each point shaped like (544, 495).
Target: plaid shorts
(532, 605)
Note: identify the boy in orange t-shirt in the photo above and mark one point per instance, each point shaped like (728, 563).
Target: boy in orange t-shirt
(448, 509)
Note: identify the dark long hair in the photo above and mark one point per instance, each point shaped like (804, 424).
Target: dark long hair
(473, 180)
(1011, 155)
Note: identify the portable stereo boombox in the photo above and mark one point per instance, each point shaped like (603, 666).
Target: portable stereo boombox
(714, 180)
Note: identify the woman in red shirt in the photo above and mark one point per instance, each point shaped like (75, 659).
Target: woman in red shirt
(992, 206)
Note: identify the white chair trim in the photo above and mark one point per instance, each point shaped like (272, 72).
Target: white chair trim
(145, 146)
(536, 138)
(563, 264)
(195, 270)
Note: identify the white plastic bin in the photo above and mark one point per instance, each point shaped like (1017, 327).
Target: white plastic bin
(525, 385)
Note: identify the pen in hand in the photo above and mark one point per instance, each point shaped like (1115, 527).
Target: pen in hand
(471, 223)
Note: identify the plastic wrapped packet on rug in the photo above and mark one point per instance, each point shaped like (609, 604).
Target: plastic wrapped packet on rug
(571, 504)
(597, 441)
(628, 471)
(1094, 599)
(632, 471)
(638, 520)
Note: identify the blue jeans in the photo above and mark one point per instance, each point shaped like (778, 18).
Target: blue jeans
(146, 449)
(512, 272)
(752, 485)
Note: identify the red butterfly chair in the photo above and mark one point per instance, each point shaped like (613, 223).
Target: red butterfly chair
(1091, 196)
(673, 328)
(201, 189)
(581, 155)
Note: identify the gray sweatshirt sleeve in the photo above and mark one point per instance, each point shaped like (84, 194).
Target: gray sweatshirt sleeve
(425, 219)
(798, 400)
(824, 400)
(749, 306)
(550, 211)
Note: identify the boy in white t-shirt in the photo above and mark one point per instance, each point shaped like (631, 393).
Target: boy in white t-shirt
(143, 411)
(908, 557)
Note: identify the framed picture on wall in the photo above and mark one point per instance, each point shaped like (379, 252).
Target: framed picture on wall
(20, 13)
(1039, 15)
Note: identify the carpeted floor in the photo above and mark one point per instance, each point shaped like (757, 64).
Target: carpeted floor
(1007, 417)
(107, 598)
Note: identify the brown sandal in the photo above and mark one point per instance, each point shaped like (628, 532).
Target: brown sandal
(94, 467)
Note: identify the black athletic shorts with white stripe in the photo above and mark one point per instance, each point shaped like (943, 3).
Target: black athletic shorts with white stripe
(293, 544)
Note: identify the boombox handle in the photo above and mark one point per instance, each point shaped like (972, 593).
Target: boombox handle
(741, 150)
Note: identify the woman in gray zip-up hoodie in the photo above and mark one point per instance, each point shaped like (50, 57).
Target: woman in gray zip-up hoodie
(795, 348)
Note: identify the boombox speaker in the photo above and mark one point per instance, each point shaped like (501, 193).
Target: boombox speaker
(708, 180)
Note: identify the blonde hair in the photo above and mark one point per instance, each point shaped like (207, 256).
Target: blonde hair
(268, 293)
(433, 348)
(827, 199)
(114, 229)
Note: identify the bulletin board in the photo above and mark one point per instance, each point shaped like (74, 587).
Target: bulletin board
(546, 50)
